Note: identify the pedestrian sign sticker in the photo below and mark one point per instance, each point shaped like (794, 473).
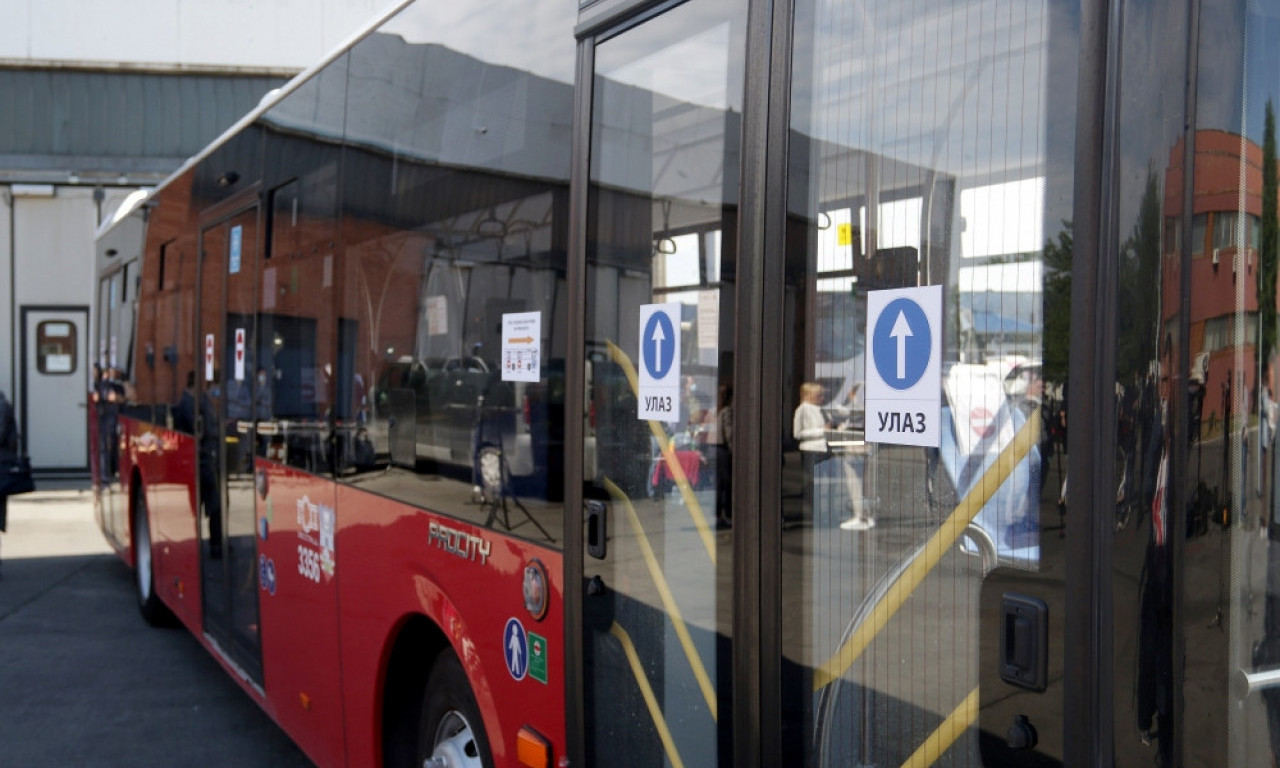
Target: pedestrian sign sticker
(515, 646)
(903, 391)
(659, 362)
(521, 346)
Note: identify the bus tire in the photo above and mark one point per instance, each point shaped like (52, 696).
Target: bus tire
(451, 733)
(153, 610)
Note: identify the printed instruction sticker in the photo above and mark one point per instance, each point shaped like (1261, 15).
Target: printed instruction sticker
(521, 346)
(538, 657)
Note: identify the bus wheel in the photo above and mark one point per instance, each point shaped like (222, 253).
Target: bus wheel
(451, 734)
(152, 609)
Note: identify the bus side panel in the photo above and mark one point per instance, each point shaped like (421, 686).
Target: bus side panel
(165, 463)
(398, 561)
(298, 569)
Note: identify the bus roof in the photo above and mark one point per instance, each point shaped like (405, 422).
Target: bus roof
(269, 100)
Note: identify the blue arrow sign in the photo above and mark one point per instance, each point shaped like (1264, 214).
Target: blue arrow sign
(658, 345)
(902, 344)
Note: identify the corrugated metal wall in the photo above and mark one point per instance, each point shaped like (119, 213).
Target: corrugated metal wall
(99, 123)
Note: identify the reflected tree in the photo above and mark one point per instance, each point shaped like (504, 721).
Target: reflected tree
(1270, 236)
(1138, 289)
(1057, 304)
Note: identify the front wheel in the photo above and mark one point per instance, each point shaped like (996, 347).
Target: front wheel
(451, 734)
(154, 611)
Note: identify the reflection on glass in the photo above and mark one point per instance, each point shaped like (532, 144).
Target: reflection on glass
(1229, 539)
(667, 99)
(922, 154)
(454, 222)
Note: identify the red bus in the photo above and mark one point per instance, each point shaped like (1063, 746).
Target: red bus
(721, 383)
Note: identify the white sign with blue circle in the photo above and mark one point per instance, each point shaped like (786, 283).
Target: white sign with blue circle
(659, 362)
(903, 392)
(515, 646)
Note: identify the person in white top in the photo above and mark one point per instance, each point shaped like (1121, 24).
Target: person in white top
(809, 426)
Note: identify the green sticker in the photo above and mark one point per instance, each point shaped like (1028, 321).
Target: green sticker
(538, 658)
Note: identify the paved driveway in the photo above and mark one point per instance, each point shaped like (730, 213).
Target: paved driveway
(85, 682)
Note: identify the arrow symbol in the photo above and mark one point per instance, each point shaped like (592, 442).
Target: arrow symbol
(521, 340)
(514, 647)
(901, 330)
(658, 337)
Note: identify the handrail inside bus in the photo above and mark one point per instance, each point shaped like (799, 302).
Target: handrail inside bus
(668, 455)
(646, 690)
(946, 733)
(931, 554)
(668, 599)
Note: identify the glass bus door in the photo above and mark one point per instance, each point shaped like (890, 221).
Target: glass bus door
(923, 348)
(224, 433)
(659, 326)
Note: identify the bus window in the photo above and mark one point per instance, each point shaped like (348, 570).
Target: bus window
(440, 406)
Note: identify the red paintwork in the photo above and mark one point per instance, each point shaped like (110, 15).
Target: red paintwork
(331, 641)
(391, 570)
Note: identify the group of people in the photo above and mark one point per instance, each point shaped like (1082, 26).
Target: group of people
(107, 392)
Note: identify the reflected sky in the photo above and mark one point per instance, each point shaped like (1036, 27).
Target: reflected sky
(535, 36)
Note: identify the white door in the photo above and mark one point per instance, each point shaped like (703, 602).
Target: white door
(55, 383)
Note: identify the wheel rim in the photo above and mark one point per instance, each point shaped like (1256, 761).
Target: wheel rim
(455, 743)
(490, 472)
(142, 557)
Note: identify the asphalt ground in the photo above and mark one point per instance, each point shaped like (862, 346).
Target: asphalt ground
(84, 681)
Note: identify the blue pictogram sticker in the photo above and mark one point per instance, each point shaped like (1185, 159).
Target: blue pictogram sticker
(515, 646)
(267, 574)
(658, 345)
(902, 344)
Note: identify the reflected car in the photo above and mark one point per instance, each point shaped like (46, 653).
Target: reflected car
(456, 416)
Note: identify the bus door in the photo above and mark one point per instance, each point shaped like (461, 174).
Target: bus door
(224, 430)
(920, 542)
(659, 362)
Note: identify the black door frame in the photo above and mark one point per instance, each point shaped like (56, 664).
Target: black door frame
(220, 215)
(757, 644)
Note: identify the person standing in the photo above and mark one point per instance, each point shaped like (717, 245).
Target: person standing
(8, 449)
(809, 427)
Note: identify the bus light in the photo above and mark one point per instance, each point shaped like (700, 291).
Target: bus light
(535, 589)
(532, 750)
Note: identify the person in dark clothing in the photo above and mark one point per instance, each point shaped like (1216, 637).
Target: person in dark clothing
(8, 449)
(184, 420)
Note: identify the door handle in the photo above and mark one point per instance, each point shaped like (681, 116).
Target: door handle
(597, 529)
(1024, 641)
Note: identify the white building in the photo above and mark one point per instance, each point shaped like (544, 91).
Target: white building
(98, 98)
